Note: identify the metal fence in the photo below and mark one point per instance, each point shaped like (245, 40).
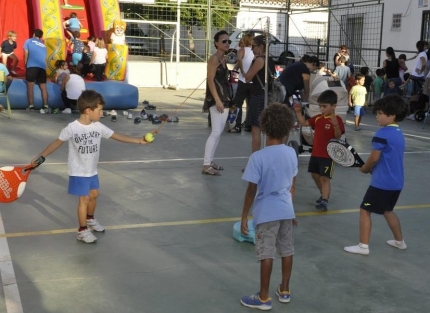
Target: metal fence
(316, 27)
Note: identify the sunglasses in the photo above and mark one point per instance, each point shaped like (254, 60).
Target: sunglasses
(343, 51)
(226, 40)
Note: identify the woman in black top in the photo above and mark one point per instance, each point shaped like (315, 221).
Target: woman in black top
(297, 77)
(217, 99)
(256, 74)
(391, 66)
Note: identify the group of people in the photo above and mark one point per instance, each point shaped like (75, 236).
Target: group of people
(271, 172)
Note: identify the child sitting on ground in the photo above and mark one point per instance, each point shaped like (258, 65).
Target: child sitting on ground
(271, 173)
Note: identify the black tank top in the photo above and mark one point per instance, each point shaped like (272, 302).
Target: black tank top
(221, 85)
(392, 68)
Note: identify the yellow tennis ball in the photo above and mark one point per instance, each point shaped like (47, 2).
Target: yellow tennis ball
(149, 137)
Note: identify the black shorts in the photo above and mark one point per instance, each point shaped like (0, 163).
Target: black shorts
(322, 166)
(243, 92)
(379, 201)
(35, 74)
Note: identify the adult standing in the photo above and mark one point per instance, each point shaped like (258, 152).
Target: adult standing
(256, 74)
(99, 58)
(297, 76)
(392, 66)
(71, 88)
(217, 99)
(35, 64)
(343, 51)
(244, 60)
(418, 71)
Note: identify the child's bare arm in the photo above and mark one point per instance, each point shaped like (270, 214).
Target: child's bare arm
(128, 139)
(49, 149)
(250, 193)
(350, 100)
(371, 161)
(298, 108)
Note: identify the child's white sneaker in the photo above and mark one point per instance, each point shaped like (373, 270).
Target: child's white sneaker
(358, 249)
(67, 111)
(397, 244)
(86, 236)
(93, 224)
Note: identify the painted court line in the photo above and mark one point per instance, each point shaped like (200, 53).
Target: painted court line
(193, 222)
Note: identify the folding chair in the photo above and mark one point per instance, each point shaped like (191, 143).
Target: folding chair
(6, 111)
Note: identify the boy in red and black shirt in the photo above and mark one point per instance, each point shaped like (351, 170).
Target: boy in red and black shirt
(326, 126)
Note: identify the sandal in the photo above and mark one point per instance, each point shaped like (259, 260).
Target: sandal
(235, 130)
(210, 171)
(150, 107)
(216, 167)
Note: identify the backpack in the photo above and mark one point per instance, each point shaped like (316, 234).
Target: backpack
(276, 92)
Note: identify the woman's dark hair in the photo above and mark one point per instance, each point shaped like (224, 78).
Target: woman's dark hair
(217, 35)
(259, 40)
(390, 52)
(310, 59)
(420, 45)
(74, 70)
(380, 72)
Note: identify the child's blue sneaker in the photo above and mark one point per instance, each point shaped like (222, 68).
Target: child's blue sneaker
(255, 302)
(283, 296)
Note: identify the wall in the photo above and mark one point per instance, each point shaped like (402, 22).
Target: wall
(162, 74)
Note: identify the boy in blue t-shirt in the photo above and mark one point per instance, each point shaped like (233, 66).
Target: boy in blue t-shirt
(73, 24)
(386, 165)
(271, 174)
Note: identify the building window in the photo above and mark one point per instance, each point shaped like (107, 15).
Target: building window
(425, 27)
(397, 22)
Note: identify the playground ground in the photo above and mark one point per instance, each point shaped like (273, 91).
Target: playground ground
(168, 245)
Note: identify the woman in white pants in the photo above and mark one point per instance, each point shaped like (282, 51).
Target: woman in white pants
(217, 99)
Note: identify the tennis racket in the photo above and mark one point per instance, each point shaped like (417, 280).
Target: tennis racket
(343, 153)
(13, 180)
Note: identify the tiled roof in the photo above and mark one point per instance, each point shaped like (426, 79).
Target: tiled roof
(293, 3)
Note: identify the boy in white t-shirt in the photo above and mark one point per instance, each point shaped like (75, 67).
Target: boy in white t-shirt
(84, 137)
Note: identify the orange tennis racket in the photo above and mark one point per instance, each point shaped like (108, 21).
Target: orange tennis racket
(13, 180)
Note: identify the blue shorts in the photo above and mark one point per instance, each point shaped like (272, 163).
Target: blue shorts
(81, 186)
(359, 110)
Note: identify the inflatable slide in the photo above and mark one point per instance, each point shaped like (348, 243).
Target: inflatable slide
(96, 17)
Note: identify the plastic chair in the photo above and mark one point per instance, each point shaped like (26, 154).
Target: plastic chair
(6, 111)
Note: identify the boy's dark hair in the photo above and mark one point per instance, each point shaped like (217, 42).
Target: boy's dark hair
(38, 33)
(91, 38)
(76, 34)
(89, 99)
(402, 56)
(358, 76)
(328, 96)
(380, 72)
(392, 104)
(364, 70)
(73, 15)
(406, 76)
(391, 81)
(277, 120)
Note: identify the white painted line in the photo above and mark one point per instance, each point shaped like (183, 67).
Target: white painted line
(10, 287)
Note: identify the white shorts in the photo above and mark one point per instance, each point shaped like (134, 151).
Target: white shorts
(6, 54)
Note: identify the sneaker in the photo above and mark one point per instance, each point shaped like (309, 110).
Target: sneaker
(143, 116)
(113, 118)
(86, 236)
(56, 111)
(137, 120)
(42, 111)
(357, 128)
(67, 111)
(322, 205)
(358, 249)
(93, 224)
(411, 117)
(283, 296)
(30, 108)
(113, 113)
(319, 200)
(130, 116)
(255, 302)
(397, 244)
(125, 113)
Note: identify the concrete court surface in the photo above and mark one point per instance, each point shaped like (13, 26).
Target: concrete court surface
(168, 245)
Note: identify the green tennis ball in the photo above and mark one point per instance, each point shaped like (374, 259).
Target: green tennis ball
(149, 137)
